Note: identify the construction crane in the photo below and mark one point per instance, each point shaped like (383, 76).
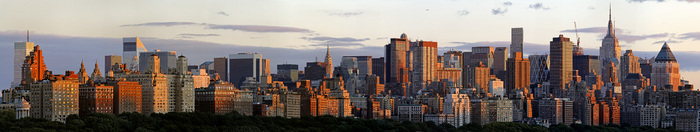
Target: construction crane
(578, 40)
(577, 50)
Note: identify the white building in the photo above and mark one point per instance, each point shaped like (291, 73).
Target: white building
(457, 105)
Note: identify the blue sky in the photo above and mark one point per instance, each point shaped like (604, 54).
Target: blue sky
(296, 31)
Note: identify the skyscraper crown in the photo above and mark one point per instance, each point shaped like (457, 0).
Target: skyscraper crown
(665, 55)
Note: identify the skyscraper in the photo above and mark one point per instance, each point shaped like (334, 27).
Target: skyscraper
(111, 60)
(539, 68)
(610, 49)
(168, 60)
(562, 65)
(378, 68)
(665, 69)
(628, 64)
(586, 64)
(221, 68)
(396, 60)
(483, 54)
(516, 40)
(518, 76)
(329, 63)
(243, 65)
(500, 56)
(424, 63)
(33, 67)
(132, 48)
(22, 50)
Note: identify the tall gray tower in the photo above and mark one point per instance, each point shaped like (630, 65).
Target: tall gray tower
(516, 40)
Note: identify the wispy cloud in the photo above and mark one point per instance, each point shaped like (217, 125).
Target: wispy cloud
(192, 35)
(257, 28)
(592, 30)
(247, 28)
(591, 8)
(691, 35)
(501, 10)
(333, 39)
(462, 12)
(341, 44)
(222, 13)
(166, 24)
(632, 38)
(342, 13)
(507, 3)
(538, 6)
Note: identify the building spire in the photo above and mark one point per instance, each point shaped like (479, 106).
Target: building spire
(329, 61)
(27, 35)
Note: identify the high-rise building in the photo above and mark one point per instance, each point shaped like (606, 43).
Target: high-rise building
(126, 96)
(96, 99)
(483, 54)
(329, 63)
(132, 48)
(516, 40)
(539, 68)
(168, 60)
(111, 60)
(665, 69)
(629, 64)
(424, 63)
(217, 98)
(243, 65)
(500, 56)
(378, 68)
(518, 76)
(556, 110)
(363, 65)
(82, 74)
(314, 70)
(397, 61)
(374, 85)
(651, 115)
(289, 72)
(610, 49)
(221, 68)
(33, 68)
(154, 87)
(687, 120)
(54, 100)
(22, 50)
(477, 77)
(452, 59)
(457, 104)
(562, 65)
(586, 64)
(180, 88)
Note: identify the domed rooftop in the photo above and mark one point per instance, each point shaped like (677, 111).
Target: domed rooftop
(22, 103)
(665, 55)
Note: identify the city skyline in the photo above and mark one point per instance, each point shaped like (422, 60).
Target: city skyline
(297, 29)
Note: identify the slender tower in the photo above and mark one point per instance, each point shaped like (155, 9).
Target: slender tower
(610, 49)
(329, 62)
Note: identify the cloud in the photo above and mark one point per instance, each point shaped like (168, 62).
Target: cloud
(341, 44)
(166, 24)
(667, 41)
(246, 28)
(222, 13)
(343, 13)
(191, 35)
(633, 38)
(591, 8)
(333, 39)
(499, 11)
(257, 28)
(538, 6)
(462, 12)
(507, 3)
(691, 35)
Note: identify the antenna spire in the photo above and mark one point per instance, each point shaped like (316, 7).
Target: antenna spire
(27, 35)
(610, 12)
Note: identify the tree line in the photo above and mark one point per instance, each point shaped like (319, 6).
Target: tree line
(198, 121)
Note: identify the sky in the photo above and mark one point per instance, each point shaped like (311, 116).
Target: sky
(297, 32)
